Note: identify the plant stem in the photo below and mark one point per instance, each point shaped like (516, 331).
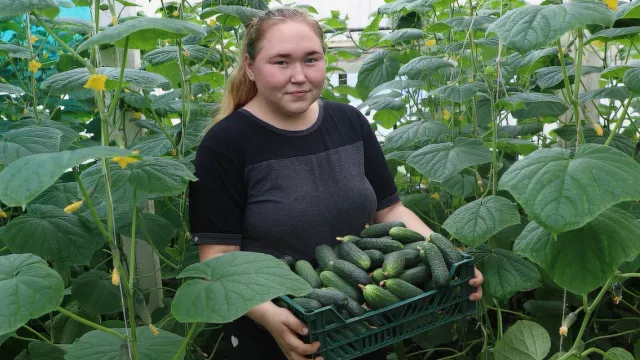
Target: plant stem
(576, 89)
(595, 350)
(464, 352)
(92, 209)
(215, 348)
(613, 335)
(510, 312)
(116, 96)
(88, 323)
(619, 121)
(33, 74)
(37, 334)
(61, 42)
(630, 275)
(148, 237)
(132, 252)
(500, 332)
(132, 325)
(183, 347)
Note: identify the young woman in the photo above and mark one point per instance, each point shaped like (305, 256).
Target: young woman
(282, 172)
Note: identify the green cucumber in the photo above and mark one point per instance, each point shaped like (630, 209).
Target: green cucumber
(411, 257)
(304, 269)
(377, 297)
(401, 288)
(416, 276)
(348, 238)
(329, 297)
(414, 245)
(380, 229)
(431, 256)
(449, 252)
(325, 255)
(291, 263)
(350, 273)
(350, 252)
(405, 235)
(376, 257)
(333, 280)
(353, 307)
(384, 245)
(307, 304)
(378, 275)
(393, 264)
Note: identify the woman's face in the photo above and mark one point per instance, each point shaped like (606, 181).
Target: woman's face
(289, 69)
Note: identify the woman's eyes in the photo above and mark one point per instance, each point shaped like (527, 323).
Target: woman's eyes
(307, 61)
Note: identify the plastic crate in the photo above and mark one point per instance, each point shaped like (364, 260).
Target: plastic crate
(342, 339)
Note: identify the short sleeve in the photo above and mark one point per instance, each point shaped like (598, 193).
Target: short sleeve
(217, 198)
(376, 169)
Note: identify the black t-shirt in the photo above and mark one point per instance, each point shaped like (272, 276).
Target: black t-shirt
(285, 192)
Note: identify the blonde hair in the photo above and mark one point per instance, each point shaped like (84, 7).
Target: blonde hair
(239, 89)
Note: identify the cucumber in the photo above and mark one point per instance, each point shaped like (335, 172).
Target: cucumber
(377, 297)
(376, 257)
(416, 276)
(332, 280)
(350, 273)
(405, 235)
(325, 255)
(380, 229)
(353, 307)
(431, 256)
(329, 297)
(304, 269)
(348, 238)
(411, 257)
(378, 275)
(449, 252)
(393, 264)
(401, 288)
(384, 245)
(291, 263)
(307, 304)
(414, 245)
(350, 252)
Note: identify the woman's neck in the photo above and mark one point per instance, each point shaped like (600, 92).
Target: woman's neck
(291, 122)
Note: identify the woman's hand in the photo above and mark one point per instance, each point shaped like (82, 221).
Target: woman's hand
(477, 283)
(285, 328)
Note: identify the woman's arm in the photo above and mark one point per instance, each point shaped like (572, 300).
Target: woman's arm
(210, 251)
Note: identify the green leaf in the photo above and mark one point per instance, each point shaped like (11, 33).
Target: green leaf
(535, 105)
(418, 67)
(438, 162)
(619, 354)
(98, 345)
(227, 286)
(526, 340)
(456, 93)
(29, 290)
(619, 93)
(68, 134)
(582, 259)
(462, 185)
(95, 292)
(614, 34)
(415, 135)
(196, 53)
(68, 81)
(475, 222)
(505, 273)
(12, 8)
(14, 51)
(143, 33)
(377, 68)
(42, 170)
(10, 89)
(243, 13)
(153, 145)
(406, 34)
(562, 190)
(551, 76)
(631, 78)
(534, 58)
(534, 26)
(160, 176)
(522, 146)
(520, 129)
(620, 142)
(628, 10)
(387, 118)
(66, 330)
(381, 102)
(16, 144)
(49, 232)
(160, 230)
(617, 71)
(39, 350)
(398, 84)
(59, 195)
(464, 23)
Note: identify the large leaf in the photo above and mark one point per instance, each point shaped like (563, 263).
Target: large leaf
(227, 286)
(16, 144)
(66, 330)
(551, 76)
(39, 350)
(69, 81)
(170, 53)
(526, 340)
(464, 23)
(154, 145)
(418, 67)
(243, 13)
(415, 135)
(160, 176)
(505, 273)
(438, 162)
(382, 102)
(143, 33)
(68, 134)
(10, 89)
(377, 68)
(522, 146)
(29, 290)
(534, 26)
(532, 105)
(619, 93)
(14, 51)
(398, 84)
(98, 345)
(562, 190)
(12, 8)
(475, 222)
(42, 170)
(59, 195)
(520, 129)
(160, 230)
(95, 292)
(49, 232)
(631, 78)
(456, 93)
(614, 34)
(462, 185)
(619, 354)
(582, 259)
(620, 142)
(406, 34)
(628, 10)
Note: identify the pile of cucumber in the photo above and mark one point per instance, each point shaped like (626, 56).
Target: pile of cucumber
(384, 264)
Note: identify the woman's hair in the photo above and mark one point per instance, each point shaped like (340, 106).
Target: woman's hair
(239, 89)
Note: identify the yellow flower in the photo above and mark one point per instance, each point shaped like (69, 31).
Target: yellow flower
(60, 52)
(33, 39)
(612, 4)
(564, 330)
(34, 65)
(73, 207)
(212, 22)
(175, 13)
(186, 52)
(154, 330)
(173, 152)
(598, 43)
(96, 82)
(616, 300)
(191, 97)
(25, 112)
(3, 214)
(136, 115)
(114, 20)
(123, 161)
(115, 278)
(435, 196)
(166, 42)
(598, 129)
(429, 43)
(446, 115)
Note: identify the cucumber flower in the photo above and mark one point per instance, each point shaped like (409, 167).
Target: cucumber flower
(96, 82)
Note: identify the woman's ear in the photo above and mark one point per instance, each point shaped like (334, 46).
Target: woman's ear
(248, 67)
